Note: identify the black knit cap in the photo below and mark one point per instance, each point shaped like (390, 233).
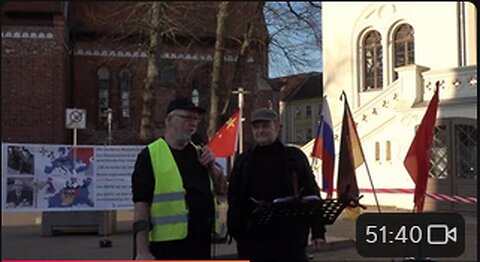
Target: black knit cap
(185, 104)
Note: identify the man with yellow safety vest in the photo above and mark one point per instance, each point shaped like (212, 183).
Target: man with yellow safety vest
(173, 188)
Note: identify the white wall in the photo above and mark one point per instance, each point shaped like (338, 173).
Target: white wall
(436, 42)
(436, 51)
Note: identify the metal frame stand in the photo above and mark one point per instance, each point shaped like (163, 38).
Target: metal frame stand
(106, 243)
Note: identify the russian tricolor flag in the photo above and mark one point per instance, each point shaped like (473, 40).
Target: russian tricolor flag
(323, 148)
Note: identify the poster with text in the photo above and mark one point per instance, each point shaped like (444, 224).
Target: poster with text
(38, 177)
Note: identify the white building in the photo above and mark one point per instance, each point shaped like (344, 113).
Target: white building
(388, 57)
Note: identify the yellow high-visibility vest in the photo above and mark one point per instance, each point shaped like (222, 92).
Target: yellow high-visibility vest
(168, 212)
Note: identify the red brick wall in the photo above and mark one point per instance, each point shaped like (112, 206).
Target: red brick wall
(36, 87)
(34, 77)
(189, 74)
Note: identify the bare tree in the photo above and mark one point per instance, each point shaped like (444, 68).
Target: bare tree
(250, 36)
(154, 31)
(150, 26)
(295, 34)
(218, 67)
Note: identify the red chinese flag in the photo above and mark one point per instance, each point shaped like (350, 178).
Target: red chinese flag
(417, 160)
(224, 142)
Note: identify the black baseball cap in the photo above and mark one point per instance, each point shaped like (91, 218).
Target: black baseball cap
(185, 104)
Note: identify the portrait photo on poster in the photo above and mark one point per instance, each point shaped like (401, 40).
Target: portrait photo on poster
(19, 192)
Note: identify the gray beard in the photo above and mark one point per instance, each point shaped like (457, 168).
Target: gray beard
(184, 137)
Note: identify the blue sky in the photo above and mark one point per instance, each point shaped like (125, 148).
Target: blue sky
(295, 36)
(281, 68)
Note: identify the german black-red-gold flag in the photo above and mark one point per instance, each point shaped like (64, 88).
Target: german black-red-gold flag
(350, 158)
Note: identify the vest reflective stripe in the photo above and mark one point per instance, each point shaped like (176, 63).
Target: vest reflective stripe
(168, 208)
(168, 220)
(169, 197)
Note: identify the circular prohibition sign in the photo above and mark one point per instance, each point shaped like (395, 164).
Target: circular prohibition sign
(76, 116)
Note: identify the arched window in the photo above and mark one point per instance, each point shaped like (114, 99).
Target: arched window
(125, 87)
(372, 61)
(167, 72)
(404, 47)
(195, 97)
(103, 95)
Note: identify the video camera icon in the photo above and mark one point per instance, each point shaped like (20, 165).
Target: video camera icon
(440, 234)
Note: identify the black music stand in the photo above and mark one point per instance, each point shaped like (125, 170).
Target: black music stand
(327, 210)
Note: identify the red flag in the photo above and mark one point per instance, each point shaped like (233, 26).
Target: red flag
(224, 142)
(417, 160)
(350, 158)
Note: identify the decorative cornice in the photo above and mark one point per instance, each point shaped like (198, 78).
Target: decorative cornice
(111, 53)
(29, 35)
(165, 55)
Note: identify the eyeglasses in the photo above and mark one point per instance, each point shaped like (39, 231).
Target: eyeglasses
(189, 118)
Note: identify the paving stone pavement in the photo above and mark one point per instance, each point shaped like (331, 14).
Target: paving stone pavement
(21, 239)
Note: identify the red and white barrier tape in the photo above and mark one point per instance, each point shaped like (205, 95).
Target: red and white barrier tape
(436, 196)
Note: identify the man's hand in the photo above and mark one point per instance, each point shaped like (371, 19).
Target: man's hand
(317, 243)
(207, 157)
(219, 180)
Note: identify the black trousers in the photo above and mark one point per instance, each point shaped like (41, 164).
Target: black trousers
(196, 246)
(282, 239)
(248, 251)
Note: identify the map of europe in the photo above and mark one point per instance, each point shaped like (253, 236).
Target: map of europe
(72, 168)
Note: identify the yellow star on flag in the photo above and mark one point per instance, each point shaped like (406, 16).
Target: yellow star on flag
(230, 122)
(224, 143)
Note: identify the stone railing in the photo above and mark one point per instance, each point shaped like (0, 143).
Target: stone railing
(375, 110)
(456, 84)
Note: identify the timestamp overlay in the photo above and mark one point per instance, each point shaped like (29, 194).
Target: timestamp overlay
(410, 235)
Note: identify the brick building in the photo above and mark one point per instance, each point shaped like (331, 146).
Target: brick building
(58, 55)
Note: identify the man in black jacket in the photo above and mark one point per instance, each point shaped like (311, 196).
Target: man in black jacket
(267, 172)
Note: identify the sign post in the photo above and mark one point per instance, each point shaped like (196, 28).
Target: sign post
(105, 243)
(75, 119)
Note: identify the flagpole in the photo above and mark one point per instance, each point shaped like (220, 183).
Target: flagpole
(363, 154)
(240, 91)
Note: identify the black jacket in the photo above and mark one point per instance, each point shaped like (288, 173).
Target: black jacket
(266, 173)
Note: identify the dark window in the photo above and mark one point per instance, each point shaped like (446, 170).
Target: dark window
(103, 95)
(308, 111)
(439, 157)
(125, 87)
(167, 72)
(404, 47)
(466, 151)
(195, 97)
(373, 65)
